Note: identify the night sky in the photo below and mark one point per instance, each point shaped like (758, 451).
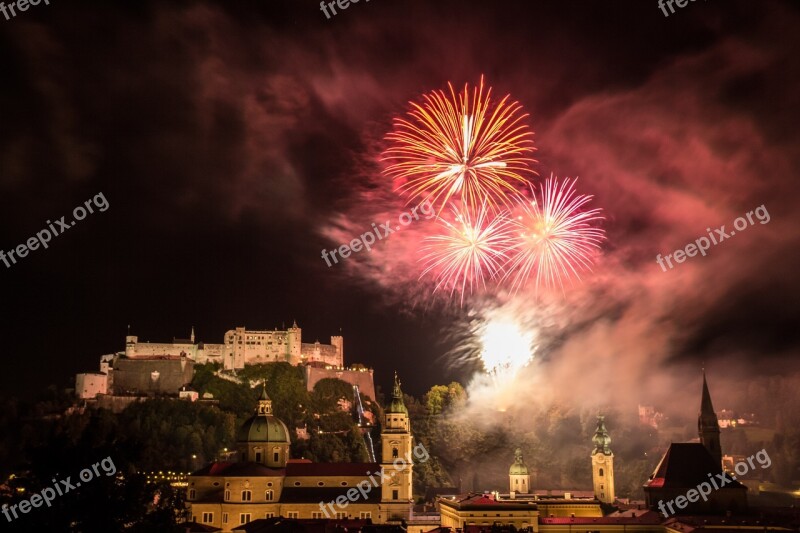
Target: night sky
(236, 140)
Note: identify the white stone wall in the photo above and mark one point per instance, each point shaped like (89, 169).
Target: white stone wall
(90, 385)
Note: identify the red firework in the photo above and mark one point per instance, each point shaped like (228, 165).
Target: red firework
(470, 250)
(555, 237)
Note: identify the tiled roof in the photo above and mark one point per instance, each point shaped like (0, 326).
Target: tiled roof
(686, 464)
(331, 469)
(224, 468)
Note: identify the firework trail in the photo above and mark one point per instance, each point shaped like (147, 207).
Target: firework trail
(453, 147)
(555, 237)
(468, 251)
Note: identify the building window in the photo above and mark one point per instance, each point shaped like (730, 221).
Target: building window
(258, 457)
(293, 514)
(227, 495)
(208, 518)
(192, 494)
(316, 516)
(247, 495)
(224, 518)
(344, 483)
(269, 515)
(394, 453)
(269, 484)
(365, 514)
(341, 516)
(276, 457)
(321, 484)
(601, 472)
(268, 495)
(395, 494)
(244, 518)
(296, 483)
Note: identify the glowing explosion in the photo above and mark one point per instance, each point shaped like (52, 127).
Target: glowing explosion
(467, 153)
(469, 249)
(555, 238)
(506, 348)
(456, 147)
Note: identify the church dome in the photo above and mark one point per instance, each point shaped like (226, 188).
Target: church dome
(263, 426)
(518, 468)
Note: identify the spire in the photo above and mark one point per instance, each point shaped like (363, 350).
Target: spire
(601, 439)
(397, 405)
(708, 424)
(264, 403)
(706, 407)
(191, 336)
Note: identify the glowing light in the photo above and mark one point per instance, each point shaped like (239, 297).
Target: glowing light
(506, 347)
(556, 238)
(453, 147)
(469, 250)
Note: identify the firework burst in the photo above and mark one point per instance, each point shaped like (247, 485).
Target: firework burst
(555, 237)
(461, 147)
(469, 250)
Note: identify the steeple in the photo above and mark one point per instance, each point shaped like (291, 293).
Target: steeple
(397, 405)
(603, 463)
(708, 424)
(191, 336)
(264, 403)
(519, 479)
(601, 439)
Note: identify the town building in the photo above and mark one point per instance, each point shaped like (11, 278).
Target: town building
(265, 483)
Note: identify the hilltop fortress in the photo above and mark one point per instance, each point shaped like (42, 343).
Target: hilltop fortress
(244, 347)
(166, 367)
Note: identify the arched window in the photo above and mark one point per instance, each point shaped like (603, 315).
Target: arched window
(601, 472)
(394, 453)
(269, 495)
(247, 495)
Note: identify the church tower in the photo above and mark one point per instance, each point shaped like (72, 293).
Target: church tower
(602, 463)
(519, 481)
(396, 457)
(708, 425)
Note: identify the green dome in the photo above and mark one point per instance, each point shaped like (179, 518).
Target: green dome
(518, 468)
(397, 405)
(601, 439)
(263, 428)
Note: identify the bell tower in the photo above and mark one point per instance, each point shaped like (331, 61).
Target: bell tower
(519, 480)
(396, 457)
(602, 463)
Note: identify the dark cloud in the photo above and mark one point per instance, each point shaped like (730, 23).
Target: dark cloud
(235, 142)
